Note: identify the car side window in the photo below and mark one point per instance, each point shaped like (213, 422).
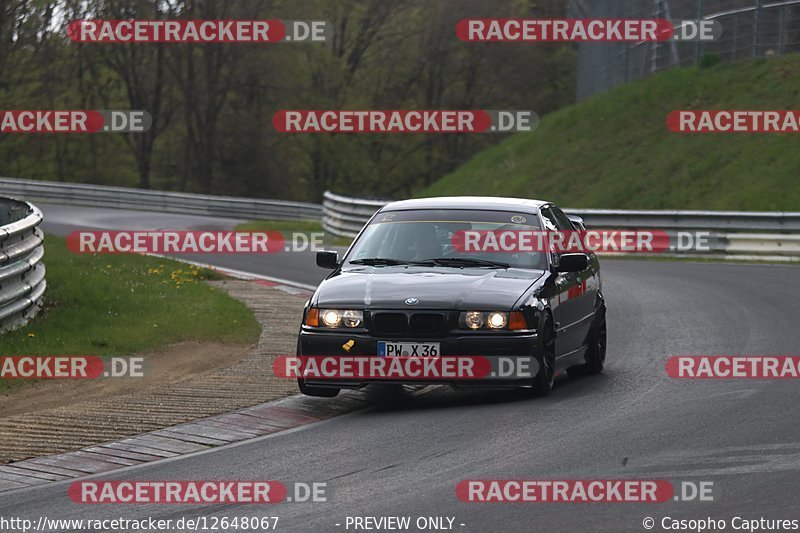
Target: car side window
(563, 221)
(550, 222)
(556, 220)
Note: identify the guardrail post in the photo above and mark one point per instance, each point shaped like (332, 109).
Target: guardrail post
(698, 46)
(756, 26)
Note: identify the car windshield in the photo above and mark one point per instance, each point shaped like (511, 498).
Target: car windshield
(427, 237)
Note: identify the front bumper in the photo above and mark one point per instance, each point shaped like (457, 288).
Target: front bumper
(495, 347)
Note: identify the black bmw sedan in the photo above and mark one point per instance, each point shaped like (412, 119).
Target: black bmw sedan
(408, 287)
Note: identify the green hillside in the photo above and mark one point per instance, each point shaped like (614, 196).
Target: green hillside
(615, 151)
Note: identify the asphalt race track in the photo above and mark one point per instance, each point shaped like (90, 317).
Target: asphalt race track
(405, 455)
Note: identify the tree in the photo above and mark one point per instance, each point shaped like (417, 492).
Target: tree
(141, 69)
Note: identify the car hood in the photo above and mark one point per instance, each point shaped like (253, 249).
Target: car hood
(442, 288)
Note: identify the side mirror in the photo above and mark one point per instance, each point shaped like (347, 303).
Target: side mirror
(578, 222)
(572, 262)
(329, 260)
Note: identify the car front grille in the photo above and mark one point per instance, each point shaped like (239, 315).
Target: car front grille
(391, 323)
(426, 323)
(421, 324)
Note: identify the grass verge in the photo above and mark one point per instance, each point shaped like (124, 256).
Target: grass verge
(123, 304)
(614, 150)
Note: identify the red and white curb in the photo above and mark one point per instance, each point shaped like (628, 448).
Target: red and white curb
(188, 438)
(191, 437)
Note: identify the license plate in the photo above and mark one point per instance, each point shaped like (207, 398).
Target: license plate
(408, 349)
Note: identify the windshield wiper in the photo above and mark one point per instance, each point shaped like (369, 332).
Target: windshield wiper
(468, 261)
(387, 261)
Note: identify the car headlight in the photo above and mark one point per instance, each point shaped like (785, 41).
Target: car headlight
(335, 318)
(352, 319)
(331, 318)
(514, 320)
(497, 320)
(474, 319)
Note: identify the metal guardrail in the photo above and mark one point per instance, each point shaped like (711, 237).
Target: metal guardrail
(733, 221)
(343, 216)
(731, 232)
(22, 282)
(173, 202)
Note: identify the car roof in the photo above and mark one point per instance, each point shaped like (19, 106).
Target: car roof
(466, 202)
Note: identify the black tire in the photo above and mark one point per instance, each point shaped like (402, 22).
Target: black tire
(321, 392)
(545, 378)
(596, 355)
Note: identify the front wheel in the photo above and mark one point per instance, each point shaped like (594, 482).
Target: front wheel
(596, 354)
(546, 358)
